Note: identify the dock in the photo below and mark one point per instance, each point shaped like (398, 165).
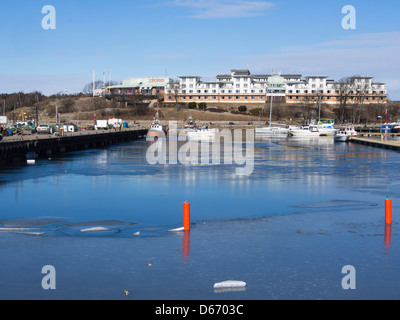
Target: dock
(377, 142)
(22, 148)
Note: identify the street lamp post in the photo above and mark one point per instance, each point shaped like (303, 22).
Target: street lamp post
(58, 93)
(380, 128)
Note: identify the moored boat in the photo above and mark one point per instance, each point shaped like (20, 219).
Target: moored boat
(305, 131)
(344, 135)
(272, 131)
(156, 130)
(327, 129)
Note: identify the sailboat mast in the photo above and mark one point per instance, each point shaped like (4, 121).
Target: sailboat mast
(270, 110)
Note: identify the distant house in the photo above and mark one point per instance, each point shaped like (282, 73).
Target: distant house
(240, 86)
(144, 86)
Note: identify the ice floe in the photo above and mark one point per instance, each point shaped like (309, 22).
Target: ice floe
(95, 229)
(229, 284)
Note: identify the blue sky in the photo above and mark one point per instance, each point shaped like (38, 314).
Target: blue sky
(187, 37)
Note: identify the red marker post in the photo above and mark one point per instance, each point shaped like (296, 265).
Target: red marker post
(186, 216)
(388, 211)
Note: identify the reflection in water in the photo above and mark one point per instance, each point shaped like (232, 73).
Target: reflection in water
(118, 183)
(388, 237)
(186, 245)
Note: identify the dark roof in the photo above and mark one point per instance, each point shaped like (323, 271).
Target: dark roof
(224, 76)
(240, 72)
(316, 77)
(360, 77)
(260, 75)
(291, 75)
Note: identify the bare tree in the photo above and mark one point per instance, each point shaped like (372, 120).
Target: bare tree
(343, 90)
(175, 92)
(88, 88)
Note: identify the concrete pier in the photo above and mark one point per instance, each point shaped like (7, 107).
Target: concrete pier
(21, 148)
(377, 142)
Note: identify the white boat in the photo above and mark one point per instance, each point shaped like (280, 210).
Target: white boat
(272, 131)
(193, 132)
(156, 130)
(327, 129)
(341, 136)
(201, 134)
(396, 127)
(344, 135)
(305, 131)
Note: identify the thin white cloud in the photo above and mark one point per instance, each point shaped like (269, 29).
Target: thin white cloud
(220, 9)
(367, 39)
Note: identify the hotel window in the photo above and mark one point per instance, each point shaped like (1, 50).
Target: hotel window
(237, 98)
(238, 85)
(214, 98)
(245, 97)
(253, 97)
(222, 91)
(190, 91)
(261, 91)
(230, 97)
(237, 91)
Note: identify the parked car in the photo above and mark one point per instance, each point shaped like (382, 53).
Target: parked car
(44, 128)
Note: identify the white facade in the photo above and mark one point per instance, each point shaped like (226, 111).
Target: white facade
(240, 86)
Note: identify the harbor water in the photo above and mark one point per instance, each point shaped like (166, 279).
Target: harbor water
(309, 208)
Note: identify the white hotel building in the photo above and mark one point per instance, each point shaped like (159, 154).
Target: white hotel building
(242, 87)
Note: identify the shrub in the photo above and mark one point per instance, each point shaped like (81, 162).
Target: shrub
(202, 106)
(256, 111)
(192, 105)
(242, 108)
